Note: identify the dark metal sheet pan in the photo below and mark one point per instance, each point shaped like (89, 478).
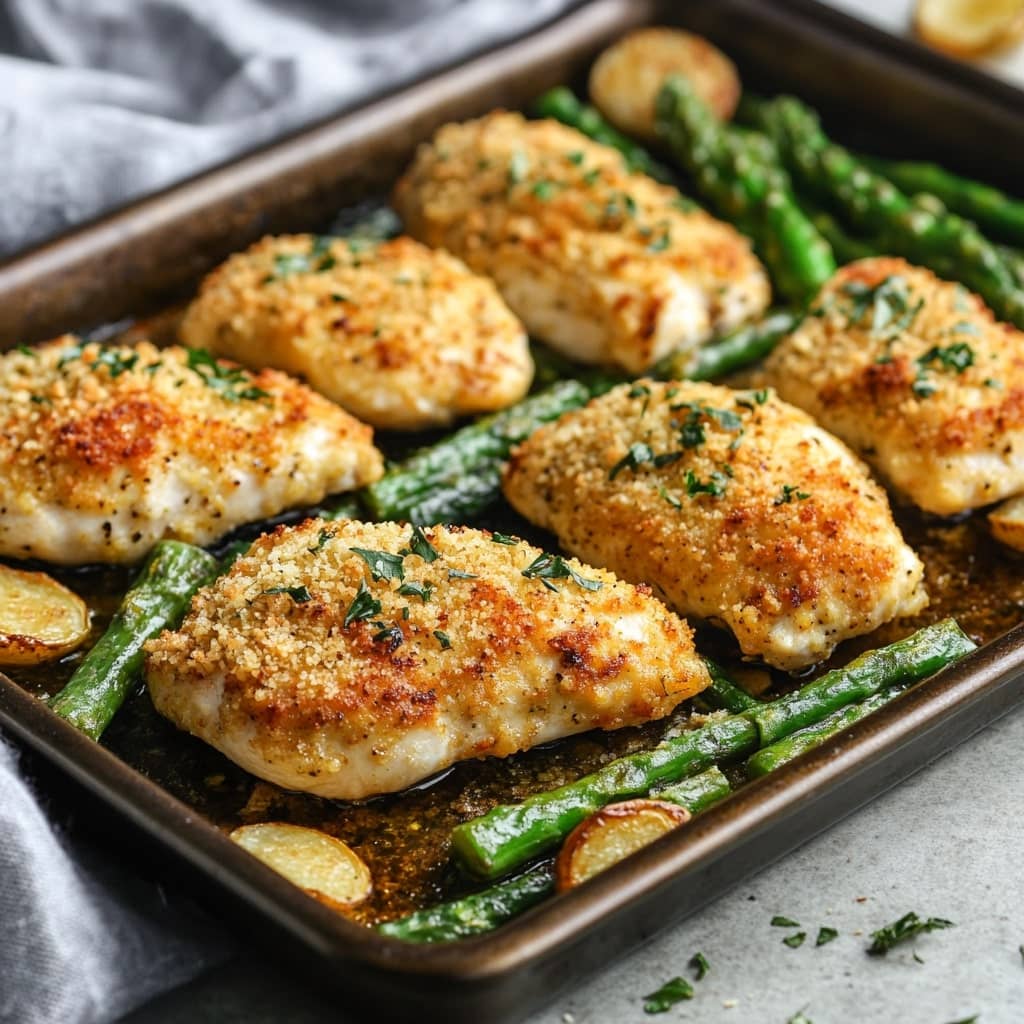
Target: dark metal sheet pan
(150, 253)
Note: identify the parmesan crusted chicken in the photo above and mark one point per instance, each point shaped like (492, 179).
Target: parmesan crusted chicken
(349, 659)
(608, 266)
(403, 336)
(105, 450)
(915, 374)
(733, 505)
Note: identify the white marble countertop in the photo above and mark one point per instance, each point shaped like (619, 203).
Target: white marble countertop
(948, 843)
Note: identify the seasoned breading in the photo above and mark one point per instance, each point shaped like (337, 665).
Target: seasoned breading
(916, 375)
(733, 505)
(106, 449)
(348, 659)
(403, 336)
(608, 266)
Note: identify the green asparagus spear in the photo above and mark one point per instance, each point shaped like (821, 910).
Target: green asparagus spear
(562, 105)
(845, 247)
(740, 174)
(743, 346)
(934, 238)
(484, 911)
(157, 600)
(512, 834)
(993, 211)
(767, 759)
(724, 694)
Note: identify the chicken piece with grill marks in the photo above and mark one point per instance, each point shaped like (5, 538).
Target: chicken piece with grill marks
(349, 659)
(916, 375)
(402, 336)
(734, 506)
(605, 265)
(106, 449)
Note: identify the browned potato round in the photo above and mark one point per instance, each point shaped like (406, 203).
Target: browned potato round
(626, 78)
(324, 866)
(969, 28)
(39, 619)
(612, 834)
(1007, 522)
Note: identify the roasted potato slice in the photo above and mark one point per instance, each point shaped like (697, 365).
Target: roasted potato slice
(969, 28)
(39, 619)
(1007, 522)
(323, 866)
(626, 78)
(612, 834)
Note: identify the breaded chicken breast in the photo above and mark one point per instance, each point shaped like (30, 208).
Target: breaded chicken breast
(916, 375)
(348, 659)
(734, 506)
(402, 336)
(608, 266)
(104, 450)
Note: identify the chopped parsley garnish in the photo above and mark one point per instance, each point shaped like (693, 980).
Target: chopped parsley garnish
(443, 640)
(419, 545)
(715, 484)
(40, 400)
(383, 565)
(758, 397)
(575, 157)
(670, 498)
(300, 595)
(956, 357)
(672, 992)
(991, 382)
(662, 242)
(620, 205)
(684, 204)
(413, 588)
(316, 261)
(888, 302)
(964, 327)
(230, 382)
(692, 434)
(638, 454)
(364, 606)
(458, 574)
(699, 962)
(825, 935)
(503, 538)
(322, 539)
(639, 391)
(795, 940)
(779, 921)
(71, 354)
(26, 351)
(799, 1018)
(788, 493)
(907, 927)
(591, 176)
(391, 635)
(517, 167)
(545, 189)
(547, 567)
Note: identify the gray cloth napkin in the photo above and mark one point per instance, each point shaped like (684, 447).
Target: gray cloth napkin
(102, 101)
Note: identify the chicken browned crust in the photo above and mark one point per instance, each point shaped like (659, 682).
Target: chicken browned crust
(349, 659)
(105, 450)
(916, 375)
(403, 336)
(734, 506)
(606, 265)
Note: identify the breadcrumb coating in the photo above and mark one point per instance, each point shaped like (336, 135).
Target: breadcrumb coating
(606, 265)
(917, 376)
(734, 506)
(403, 336)
(348, 659)
(105, 450)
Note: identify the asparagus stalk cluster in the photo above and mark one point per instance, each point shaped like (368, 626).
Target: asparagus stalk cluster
(740, 174)
(926, 233)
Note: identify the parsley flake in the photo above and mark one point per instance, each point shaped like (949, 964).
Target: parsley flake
(322, 539)
(458, 574)
(715, 484)
(517, 167)
(503, 538)
(547, 567)
(391, 636)
(230, 382)
(443, 640)
(699, 962)
(779, 921)
(672, 992)
(670, 498)
(575, 157)
(795, 940)
(413, 588)
(788, 492)
(888, 303)
(300, 595)
(419, 545)
(316, 261)
(383, 565)
(638, 454)
(825, 935)
(26, 351)
(364, 606)
(907, 927)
